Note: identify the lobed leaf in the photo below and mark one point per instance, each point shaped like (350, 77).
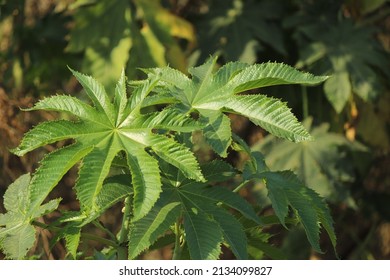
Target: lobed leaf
(72, 105)
(144, 232)
(217, 132)
(145, 180)
(270, 74)
(17, 235)
(177, 155)
(97, 94)
(232, 231)
(168, 119)
(53, 131)
(271, 114)
(93, 171)
(285, 189)
(203, 234)
(52, 168)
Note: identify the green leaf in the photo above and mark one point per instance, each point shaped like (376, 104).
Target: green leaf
(217, 133)
(203, 235)
(53, 131)
(120, 98)
(114, 189)
(239, 29)
(177, 155)
(271, 114)
(232, 231)
(168, 120)
(145, 180)
(96, 93)
(72, 240)
(341, 49)
(144, 232)
(17, 235)
(218, 171)
(93, 174)
(15, 198)
(270, 74)
(210, 93)
(221, 195)
(320, 164)
(338, 90)
(228, 71)
(101, 132)
(285, 190)
(17, 241)
(102, 32)
(203, 210)
(68, 104)
(52, 168)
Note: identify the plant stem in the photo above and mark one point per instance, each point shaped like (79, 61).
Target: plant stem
(101, 227)
(240, 186)
(87, 236)
(177, 249)
(305, 103)
(122, 250)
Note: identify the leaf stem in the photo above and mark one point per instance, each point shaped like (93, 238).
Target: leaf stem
(240, 186)
(104, 229)
(177, 249)
(305, 103)
(87, 236)
(122, 250)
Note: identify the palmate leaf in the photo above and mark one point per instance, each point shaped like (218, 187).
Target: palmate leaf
(211, 93)
(285, 190)
(319, 164)
(115, 189)
(145, 231)
(271, 114)
(100, 133)
(238, 29)
(206, 222)
(17, 235)
(341, 49)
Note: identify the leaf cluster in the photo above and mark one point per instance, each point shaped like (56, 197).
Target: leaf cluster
(143, 157)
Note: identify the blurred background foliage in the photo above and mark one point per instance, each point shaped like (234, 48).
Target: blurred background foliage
(349, 115)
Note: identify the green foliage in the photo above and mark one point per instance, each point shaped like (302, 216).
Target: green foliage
(341, 39)
(137, 154)
(210, 95)
(101, 133)
(206, 222)
(17, 235)
(347, 52)
(238, 29)
(321, 164)
(286, 190)
(108, 34)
